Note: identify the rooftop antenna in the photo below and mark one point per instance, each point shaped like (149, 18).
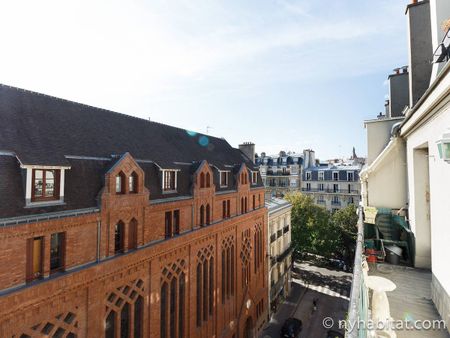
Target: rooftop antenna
(207, 129)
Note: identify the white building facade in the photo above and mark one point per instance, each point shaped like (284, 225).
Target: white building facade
(410, 174)
(280, 249)
(281, 174)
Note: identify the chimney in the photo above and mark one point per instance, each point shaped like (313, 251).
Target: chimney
(306, 158)
(420, 51)
(312, 158)
(398, 91)
(248, 148)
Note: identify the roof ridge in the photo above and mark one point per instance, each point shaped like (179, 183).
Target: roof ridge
(104, 109)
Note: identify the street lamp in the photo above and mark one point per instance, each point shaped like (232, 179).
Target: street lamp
(444, 147)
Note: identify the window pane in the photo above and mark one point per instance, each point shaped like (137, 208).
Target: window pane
(138, 316)
(38, 183)
(181, 307)
(118, 237)
(125, 321)
(199, 294)
(49, 183)
(173, 302)
(131, 183)
(176, 221)
(110, 325)
(56, 251)
(163, 322)
(118, 183)
(205, 290)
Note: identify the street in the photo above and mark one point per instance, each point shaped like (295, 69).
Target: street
(329, 287)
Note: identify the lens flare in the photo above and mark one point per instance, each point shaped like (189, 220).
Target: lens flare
(203, 140)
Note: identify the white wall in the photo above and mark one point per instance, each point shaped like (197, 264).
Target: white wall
(385, 185)
(439, 172)
(378, 135)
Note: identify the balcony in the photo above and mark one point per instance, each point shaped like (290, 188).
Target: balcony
(336, 203)
(286, 253)
(410, 301)
(332, 191)
(273, 237)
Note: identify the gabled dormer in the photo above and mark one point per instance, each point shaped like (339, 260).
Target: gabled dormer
(243, 176)
(125, 177)
(203, 177)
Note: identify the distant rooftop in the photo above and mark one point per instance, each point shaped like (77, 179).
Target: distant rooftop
(275, 204)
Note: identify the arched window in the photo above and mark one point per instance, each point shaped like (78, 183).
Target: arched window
(246, 205)
(202, 180)
(125, 321)
(173, 305)
(208, 214)
(110, 325)
(242, 205)
(232, 271)
(202, 215)
(254, 202)
(120, 183)
(182, 291)
(205, 290)
(138, 317)
(119, 237)
(255, 249)
(133, 183)
(223, 276)
(163, 323)
(199, 295)
(132, 234)
(211, 285)
(208, 180)
(229, 277)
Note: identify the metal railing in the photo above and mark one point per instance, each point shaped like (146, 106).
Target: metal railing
(358, 305)
(332, 191)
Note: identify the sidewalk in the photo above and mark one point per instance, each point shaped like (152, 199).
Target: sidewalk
(285, 310)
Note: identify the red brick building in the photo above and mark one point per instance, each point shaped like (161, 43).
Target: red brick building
(114, 226)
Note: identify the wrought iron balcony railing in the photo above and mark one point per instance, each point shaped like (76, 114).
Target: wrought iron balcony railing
(358, 305)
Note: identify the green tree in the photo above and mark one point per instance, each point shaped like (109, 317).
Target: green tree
(345, 221)
(312, 228)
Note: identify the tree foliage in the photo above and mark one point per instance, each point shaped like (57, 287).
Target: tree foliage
(317, 231)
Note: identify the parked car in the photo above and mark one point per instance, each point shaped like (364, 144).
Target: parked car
(291, 328)
(334, 334)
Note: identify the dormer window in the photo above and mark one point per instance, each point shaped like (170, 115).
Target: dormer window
(169, 180)
(254, 177)
(308, 176)
(335, 176)
(45, 185)
(133, 183)
(120, 183)
(321, 175)
(224, 178)
(244, 178)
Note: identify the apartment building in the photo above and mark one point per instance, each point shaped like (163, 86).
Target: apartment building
(333, 186)
(281, 174)
(114, 226)
(280, 250)
(408, 171)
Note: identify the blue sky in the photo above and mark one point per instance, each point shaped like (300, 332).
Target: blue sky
(284, 74)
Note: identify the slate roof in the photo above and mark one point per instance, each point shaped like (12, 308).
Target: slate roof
(44, 130)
